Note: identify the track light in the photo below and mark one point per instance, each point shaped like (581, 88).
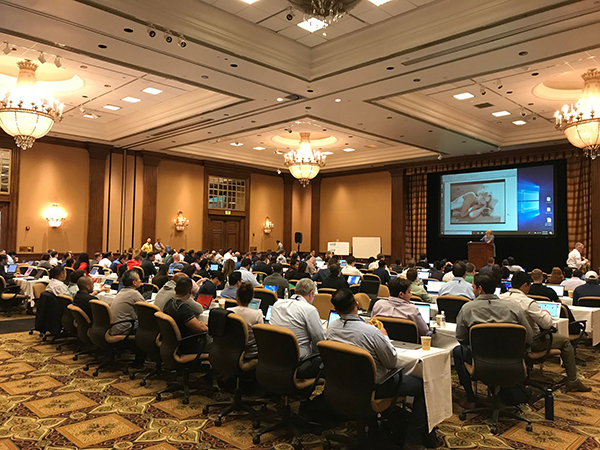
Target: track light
(181, 41)
(499, 83)
(482, 90)
(151, 31)
(168, 37)
(42, 58)
(7, 49)
(81, 109)
(57, 62)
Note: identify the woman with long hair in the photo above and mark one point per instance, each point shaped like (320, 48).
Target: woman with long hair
(161, 277)
(82, 263)
(228, 268)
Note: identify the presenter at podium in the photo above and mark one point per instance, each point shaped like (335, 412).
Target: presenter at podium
(489, 238)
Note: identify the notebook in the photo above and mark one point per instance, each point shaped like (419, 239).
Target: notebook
(425, 311)
(354, 280)
(433, 287)
(560, 290)
(333, 316)
(552, 307)
(254, 303)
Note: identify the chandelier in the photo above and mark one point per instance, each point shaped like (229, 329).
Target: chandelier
(581, 123)
(181, 221)
(27, 113)
(327, 11)
(55, 216)
(304, 163)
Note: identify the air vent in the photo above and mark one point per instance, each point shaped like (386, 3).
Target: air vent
(483, 105)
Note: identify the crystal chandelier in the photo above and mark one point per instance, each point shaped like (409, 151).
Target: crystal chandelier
(581, 123)
(304, 163)
(27, 113)
(327, 11)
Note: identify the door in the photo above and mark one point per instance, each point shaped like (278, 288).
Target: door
(225, 233)
(4, 226)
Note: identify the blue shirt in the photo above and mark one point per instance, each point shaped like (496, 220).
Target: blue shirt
(457, 286)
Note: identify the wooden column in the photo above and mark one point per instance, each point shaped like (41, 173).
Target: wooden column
(595, 213)
(315, 214)
(98, 154)
(288, 185)
(151, 161)
(398, 214)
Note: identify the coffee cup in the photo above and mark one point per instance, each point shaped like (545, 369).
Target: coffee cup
(426, 343)
(438, 320)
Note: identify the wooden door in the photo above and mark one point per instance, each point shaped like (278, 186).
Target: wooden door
(4, 226)
(225, 233)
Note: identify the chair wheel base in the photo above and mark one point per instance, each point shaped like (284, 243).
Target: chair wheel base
(132, 376)
(75, 357)
(462, 416)
(158, 397)
(326, 445)
(218, 424)
(143, 383)
(256, 440)
(205, 410)
(528, 427)
(95, 374)
(30, 332)
(58, 347)
(86, 367)
(493, 429)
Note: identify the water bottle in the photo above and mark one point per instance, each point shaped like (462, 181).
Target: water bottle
(549, 405)
(286, 294)
(443, 319)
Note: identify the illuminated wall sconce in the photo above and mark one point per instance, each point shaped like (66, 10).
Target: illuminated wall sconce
(55, 215)
(181, 221)
(268, 226)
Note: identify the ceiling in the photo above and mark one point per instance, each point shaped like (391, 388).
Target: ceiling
(381, 81)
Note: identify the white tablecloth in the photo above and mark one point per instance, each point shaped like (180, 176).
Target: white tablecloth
(433, 367)
(27, 285)
(592, 318)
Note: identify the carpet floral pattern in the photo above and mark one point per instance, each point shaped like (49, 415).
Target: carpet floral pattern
(48, 402)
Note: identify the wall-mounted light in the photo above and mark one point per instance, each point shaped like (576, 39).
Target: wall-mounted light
(55, 215)
(268, 225)
(181, 221)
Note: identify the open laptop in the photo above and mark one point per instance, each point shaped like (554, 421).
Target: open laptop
(425, 311)
(507, 284)
(560, 290)
(433, 287)
(269, 312)
(12, 268)
(320, 264)
(28, 272)
(333, 316)
(30, 263)
(552, 307)
(406, 345)
(353, 279)
(272, 287)
(423, 274)
(94, 271)
(343, 263)
(171, 269)
(214, 267)
(254, 303)
(204, 300)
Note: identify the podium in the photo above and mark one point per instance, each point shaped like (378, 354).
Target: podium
(479, 252)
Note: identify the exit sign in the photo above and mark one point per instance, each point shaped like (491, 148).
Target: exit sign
(227, 213)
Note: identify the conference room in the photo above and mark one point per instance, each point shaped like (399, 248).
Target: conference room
(404, 175)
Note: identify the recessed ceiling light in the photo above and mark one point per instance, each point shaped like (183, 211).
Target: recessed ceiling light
(379, 2)
(519, 122)
(278, 152)
(151, 90)
(112, 107)
(326, 153)
(338, 100)
(312, 24)
(131, 99)
(90, 116)
(249, 1)
(463, 96)
(349, 149)
(501, 113)
(236, 144)
(259, 148)
(279, 99)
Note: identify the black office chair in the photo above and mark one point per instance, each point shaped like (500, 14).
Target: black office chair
(591, 302)
(544, 351)
(577, 331)
(400, 329)
(10, 297)
(497, 366)
(369, 287)
(451, 305)
(146, 337)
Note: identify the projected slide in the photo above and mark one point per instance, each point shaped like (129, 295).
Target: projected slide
(508, 201)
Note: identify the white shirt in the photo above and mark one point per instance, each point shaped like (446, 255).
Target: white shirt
(227, 256)
(302, 319)
(536, 316)
(157, 257)
(351, 271)
(104, 262)
(448, 276)
(457, 286)
(574, 260)
(9, 260)
(572, 283)
(57, 287)
(281, 259)
(53, 261)
(247, 276)
(374, 265)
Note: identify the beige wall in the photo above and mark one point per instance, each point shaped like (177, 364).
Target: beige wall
(356, 206)
(301, 214)
(180, 186)
(266, 199)
(53, 174)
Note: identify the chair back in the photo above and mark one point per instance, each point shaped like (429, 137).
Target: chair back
(260, 276)
(22, 268)
(227, 351)
(2, 284)
(384, 291)
(42, 270)
(369, 286)
(363, 300)
(229, 303)
(329, 291)
(66, 319)
(400, 329)
(267, 298)
(82, 323)
(451, 305)
(147, 331)
(323, 304)
(293, 282)
(539, 298)
(593, 302)
(278, 358)
(38, 288)
(354, 288)
(498, 365)
(149, 287)
(169, 339)
(372, 277)
(101, 325)
(139, 270)
(348, 395)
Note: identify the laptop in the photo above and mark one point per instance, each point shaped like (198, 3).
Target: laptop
(423, 274)
(343, 263)
(320, 264)
(204, 300)
(560, 290)
(333, 316)
(269, 312)
(425, 311)
(433, 287)
(30, 263)
(254, 303)
(28, 272)
(171, 269)
(552, 307)
(271, 287)
(507, 284)
(406, 345)
(214, 267)
(355, 279)
(94, 271)
(12, 268)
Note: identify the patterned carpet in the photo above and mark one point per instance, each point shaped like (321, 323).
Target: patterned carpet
(48, 402)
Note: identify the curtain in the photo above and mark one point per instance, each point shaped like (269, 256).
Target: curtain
(579, 201)
(416, 216)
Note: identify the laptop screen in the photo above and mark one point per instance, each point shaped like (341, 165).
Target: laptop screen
(423, 274)
(271, 287)
(425, 311)
(552, 307)
(320, 264)
(171, 269)
(560, 290)
(333, 316)
(254, 303)
(30, 263)
(269, 312)
(433, 287)
(204, 300)
(507, 284)
(343, 263)
(214, 267)
(12, 268)
(94, 271)
(353, 280)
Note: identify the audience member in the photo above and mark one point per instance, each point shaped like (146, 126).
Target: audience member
(8, 277)
(335, 280)
(422, 263)
(245, 293)
(538, 288)
(324, 272)
(71, 282)
(556, 276)
(575, 260)
(409, 265)
(382, 273)
(135, 262)
(417, 289)
(105, 261)
(210, 286)
(350, 270)
(148, 266)
(487, 269)
(374, 265)
(53, 257)
(85, 286)
(397, 266)
(436, 273)
(513, 266)
(122, 305)
(82, 263)
(247, 276)
(96, 260)
(235, 281)
(457, 285)
(117, 262)
(262, 265)
(176, 264)
(45, 262)
(162, 276)
(57, 285)
(469, 272)
(574, 281)
(496, 274)
(147, 247)
(277, 279)
(589, 289)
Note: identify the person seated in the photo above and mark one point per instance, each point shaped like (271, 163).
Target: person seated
(298, 315)
(210, 286)
(469, 272)
(335, 280)
(57, 285)
(167, 292)
(45, 262)
(375, 263)
(123, 304)
(176, 264)
(105, 261)
(398, 305)
(409, 265)
(589, 289)
(247, 276)
(382, 273)
(162, 276)
(245, 293)
(458, 285)
(148, 266)
(437, 272)
(71, 281)
(396, 267)
(350, 270)
(448, 274)
(262, 264)
(556, 276)
(293, 270)
(324, 272)
(235, 281)
(84, 294)
(513, 266)
(485, 308)
(276, 279)
(417, 289)
(487, 269)
(541, 320)
(423, 263)
(82, 263)
(574, 281)
(181, 311)
(121, 259)
(496, 274)
(538, 288)
(352, 329)
(8, 277)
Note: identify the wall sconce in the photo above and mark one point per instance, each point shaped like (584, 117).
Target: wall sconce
(55, 215)
(181, 221)
(268, 226)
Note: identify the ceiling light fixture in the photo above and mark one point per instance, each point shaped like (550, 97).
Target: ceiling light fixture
(236, 144)
(463, 96)
(259, 148)
(338, 100)
(181, 41)
(279, 99)
(581, 123)
(304, 163)
(168, 37)
(131, 99)
(112, 107)
(151, 90)
(349, 149)
(326, 153)
(327, 11)
(519, 122)
(7, 49)
(501, 114)
(312, 24)
(57, 62)
(151, 31)
(90, 116)
(42, 58)
(27, 113)
(379, 2)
